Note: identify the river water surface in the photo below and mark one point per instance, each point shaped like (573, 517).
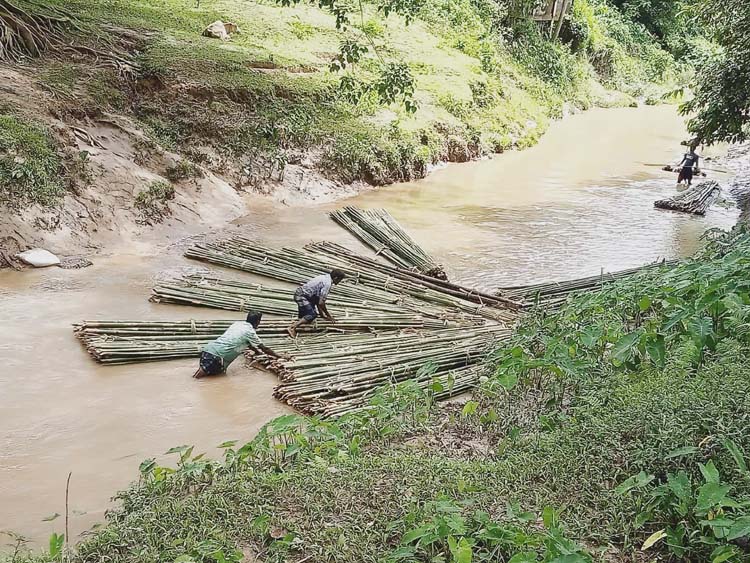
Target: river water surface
(580, 201)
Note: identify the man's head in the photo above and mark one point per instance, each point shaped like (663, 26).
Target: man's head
(253, 317)
(337, 276)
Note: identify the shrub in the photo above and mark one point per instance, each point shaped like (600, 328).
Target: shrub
(183, 170)
(153, 202)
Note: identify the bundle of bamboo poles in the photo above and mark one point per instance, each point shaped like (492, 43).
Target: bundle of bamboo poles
(694, 200)
(297, 266)
(237, 297)
(552, 294)
(124, 342)
(322, 378)
(380, 231)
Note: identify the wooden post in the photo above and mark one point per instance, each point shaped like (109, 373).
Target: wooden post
(558, 26)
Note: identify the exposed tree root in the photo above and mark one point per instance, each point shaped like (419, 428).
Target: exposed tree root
(31, 32)
(37, 28)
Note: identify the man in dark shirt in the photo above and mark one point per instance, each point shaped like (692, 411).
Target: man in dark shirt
(688, 166)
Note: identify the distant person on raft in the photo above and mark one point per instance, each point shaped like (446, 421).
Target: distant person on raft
(313, 295)
(219, 354)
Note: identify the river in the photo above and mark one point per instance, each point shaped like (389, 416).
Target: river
(580, 201)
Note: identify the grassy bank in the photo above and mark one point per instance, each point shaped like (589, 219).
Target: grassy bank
(613, 429)
(246, 108)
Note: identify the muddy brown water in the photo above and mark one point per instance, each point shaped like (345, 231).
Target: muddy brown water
(580, 201)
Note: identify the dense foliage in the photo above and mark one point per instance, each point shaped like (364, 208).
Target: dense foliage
(722, 99)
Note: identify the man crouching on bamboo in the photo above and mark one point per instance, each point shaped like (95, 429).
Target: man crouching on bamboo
(240, 336)
(311, 295)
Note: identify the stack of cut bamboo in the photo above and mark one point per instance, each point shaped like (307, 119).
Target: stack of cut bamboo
(392, 323)
(694, 200)
(297, 266)
(236, 296)
(380, 231)
(127, 342)
(332, 376)
(553, 294)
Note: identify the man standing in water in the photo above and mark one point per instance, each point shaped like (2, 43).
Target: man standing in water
(240, 336)
(311, 295)
(688, 166)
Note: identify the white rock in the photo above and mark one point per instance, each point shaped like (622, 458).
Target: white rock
(38, 257)
(221, 30)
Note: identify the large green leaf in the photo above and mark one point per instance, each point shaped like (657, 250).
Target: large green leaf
(701, 329)
(680, 485)
(740, 528)
(711, 495)
(683, 451)
(623, 348)
(461, 550)
(657, 350)
(635, 482)
(709, 471)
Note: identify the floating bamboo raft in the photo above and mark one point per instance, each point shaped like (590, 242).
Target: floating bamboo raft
(330, 377)
(552, 294)
(128, 342)
(694, 200)
(297, 266)
(380, 231)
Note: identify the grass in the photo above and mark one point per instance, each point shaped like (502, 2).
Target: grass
(573, 451)
(30, 164)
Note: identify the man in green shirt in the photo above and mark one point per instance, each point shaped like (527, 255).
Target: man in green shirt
(240, 336)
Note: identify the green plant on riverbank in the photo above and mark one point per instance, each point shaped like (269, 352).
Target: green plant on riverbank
(583, 428)
(30, 166)
(153, 202)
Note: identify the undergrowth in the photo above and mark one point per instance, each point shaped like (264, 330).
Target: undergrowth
(153, 202)
(31, 168)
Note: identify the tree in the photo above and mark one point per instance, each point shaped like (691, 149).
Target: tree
(720, 108)
(395, 82)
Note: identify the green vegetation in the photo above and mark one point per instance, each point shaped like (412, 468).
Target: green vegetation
(153, 202)
(460, 80)
(183, 170)
(612, 429)
(30, 165)
(722, 101)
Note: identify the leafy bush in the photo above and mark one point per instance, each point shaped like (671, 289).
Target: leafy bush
(700, 520)
(440, 531)
(153, 202)
(183, 170)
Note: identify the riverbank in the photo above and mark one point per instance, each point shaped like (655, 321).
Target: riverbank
(522, 220)
(195, 128)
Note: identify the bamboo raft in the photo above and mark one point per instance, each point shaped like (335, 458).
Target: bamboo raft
(128, 342)
(380, 231)
(297, 266)
(321, 377)
(694, 200)
(553, 294)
